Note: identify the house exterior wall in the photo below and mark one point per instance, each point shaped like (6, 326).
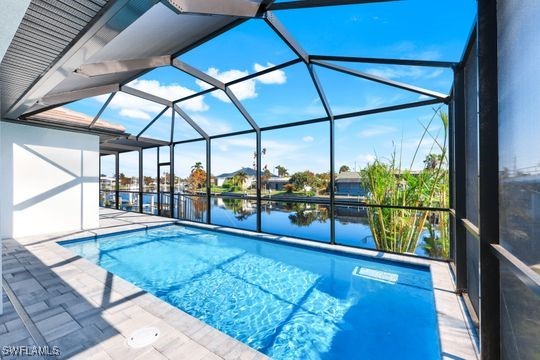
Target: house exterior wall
(276, 185)
(348, 188)
(50, 180)
(10, 18)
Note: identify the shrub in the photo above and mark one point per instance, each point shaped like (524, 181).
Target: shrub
(396, 229)
(288, 188)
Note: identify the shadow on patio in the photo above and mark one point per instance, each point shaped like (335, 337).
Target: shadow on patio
(65, 301)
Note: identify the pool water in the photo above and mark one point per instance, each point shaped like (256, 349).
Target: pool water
(289, 302)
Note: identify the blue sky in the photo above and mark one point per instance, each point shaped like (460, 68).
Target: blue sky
(413, 29)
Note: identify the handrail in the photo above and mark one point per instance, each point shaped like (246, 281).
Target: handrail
(528, 276)
(522, 271)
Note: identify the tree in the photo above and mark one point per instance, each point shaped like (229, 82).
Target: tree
(432, 161)
(302, 179)
(322, 182)
(263, 152)
(198, 166)
(265, 176)
(197, 179)
(240, 178)
(344, 168)
(148, 180)
(124, 181)
(288, 188)
(282, 171)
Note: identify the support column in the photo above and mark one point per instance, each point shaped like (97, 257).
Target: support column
(489, 174)
(208, 181)
(141, 180)
(459, 178)
(158, 183)
(117, 176)
(259, 177)
(332, 184)
(171, 182)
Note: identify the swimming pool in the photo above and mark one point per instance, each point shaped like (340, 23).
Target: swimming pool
(289, 302)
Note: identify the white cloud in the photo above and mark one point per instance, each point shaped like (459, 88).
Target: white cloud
(218, 126)
(274, 77)
(171, 92)
(136, 108)
(241, 142)
(364, 159)
(308, 139)
(246, 89)
(134, 114)
(376, 130)
(243, 90)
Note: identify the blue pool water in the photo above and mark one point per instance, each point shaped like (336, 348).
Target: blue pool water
(288, 302)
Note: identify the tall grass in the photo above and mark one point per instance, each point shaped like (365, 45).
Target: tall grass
(387, 183)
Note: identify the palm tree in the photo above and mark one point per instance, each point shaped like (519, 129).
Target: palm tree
(282, 171)
(198, 166)
(240, 178)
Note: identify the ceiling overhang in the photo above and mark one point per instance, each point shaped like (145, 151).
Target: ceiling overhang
(105, 36)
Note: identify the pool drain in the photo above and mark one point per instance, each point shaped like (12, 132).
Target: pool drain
(143, 337)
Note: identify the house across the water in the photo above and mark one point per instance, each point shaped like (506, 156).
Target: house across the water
(348, 183)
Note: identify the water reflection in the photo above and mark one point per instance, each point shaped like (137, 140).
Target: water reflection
(301, 220)
(299, 214)
(238, 213)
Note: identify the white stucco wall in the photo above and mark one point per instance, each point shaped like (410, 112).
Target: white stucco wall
(50, 180)
(10, 17)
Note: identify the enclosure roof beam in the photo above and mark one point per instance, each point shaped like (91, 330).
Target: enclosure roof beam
(190, 70)
(145, 142)
(242, 132)
(119, 66)
(217, 84)
(370, 60)
(242, 109)
(144, 95)
(291, 42)
(264, 71)
(96, 118)
(115, 147)
(238, 8)
(302, 4)
(190, 121)
(320, 91)
(194, 95)
(107, 152)
(356, 114)
(69, 96)
(284, 34)
(133, 141)
(244, 78)
(153, 121)
(381, 80)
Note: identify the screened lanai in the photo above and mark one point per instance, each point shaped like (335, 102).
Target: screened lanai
(382, 125)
